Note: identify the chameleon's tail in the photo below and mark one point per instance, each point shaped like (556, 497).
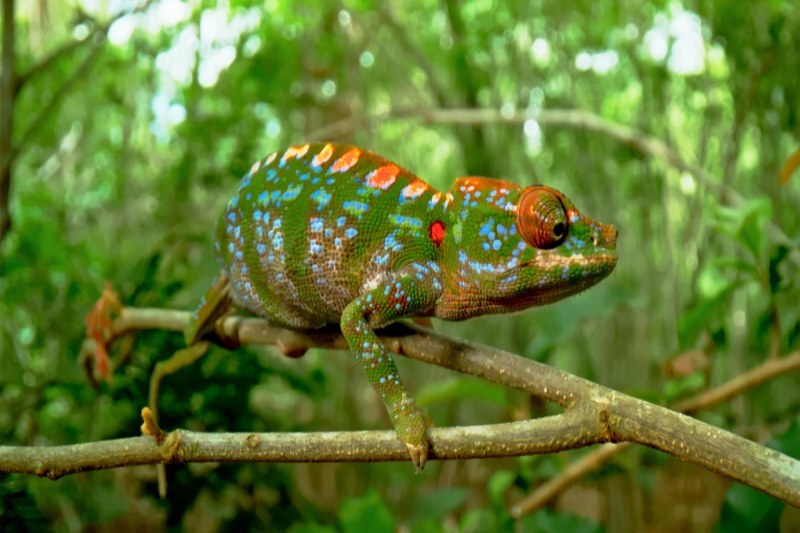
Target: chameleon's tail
(216, 303)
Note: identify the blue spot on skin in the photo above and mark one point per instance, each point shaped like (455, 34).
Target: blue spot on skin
(382, 259)
(322, 197)
(486, 246)
(277, 223)
(316, 224)
(402, 220)
(248, 196)
(277, 241)
(231, 216)
(257, 214)
(496, 244)
(501, 229)
(328, 233)
(341, 221)
(263, 198)
(574, 218)
(238, 255)
(292, 193)
(337, 242)
(261, 248)
(355, 207)
(230, 247)
(304, 177)
(350, 233)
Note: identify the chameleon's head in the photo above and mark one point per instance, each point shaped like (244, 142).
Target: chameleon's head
(512, 248)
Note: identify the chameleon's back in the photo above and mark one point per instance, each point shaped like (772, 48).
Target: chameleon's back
(310, 228)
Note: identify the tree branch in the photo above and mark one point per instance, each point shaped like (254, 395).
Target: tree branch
(12, 83)
(593, 414)
(8, 83)
(705, 400)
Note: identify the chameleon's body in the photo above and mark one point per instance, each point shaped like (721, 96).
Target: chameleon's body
(328, 233)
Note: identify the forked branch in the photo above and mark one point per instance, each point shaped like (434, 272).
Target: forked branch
(593, 414)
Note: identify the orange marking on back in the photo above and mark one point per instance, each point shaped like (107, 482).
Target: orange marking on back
(322, 157)
(414, 189)
(347, 161)
(383, 177)
(447, 199)
(294, 152)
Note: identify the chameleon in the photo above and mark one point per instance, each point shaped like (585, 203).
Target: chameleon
(327, 233)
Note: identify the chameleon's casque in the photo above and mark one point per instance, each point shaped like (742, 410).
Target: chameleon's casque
(329, 233)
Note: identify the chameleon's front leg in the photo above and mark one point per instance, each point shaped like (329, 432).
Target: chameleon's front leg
(398, 297)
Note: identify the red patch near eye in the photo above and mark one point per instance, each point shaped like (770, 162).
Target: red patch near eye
(437, 232)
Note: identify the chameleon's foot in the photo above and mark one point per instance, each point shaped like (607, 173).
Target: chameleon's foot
(412, 428)
(419, 455)
(290, 349)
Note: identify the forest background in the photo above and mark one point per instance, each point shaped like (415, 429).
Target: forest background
(126, 126)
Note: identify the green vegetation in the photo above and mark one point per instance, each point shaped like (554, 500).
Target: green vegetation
(131, 130)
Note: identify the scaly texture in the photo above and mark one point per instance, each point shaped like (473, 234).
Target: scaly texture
(329, 233)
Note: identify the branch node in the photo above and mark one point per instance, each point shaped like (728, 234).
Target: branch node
(150, 427)
(252, 441)
(171, 448)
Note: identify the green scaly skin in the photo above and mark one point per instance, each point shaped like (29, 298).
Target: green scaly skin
(329, 233)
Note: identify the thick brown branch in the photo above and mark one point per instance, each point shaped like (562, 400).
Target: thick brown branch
(705, 400)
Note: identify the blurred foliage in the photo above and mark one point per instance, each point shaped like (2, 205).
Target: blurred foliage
(120, 174)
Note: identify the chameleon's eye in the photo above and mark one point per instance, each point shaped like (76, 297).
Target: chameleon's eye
(541, 218)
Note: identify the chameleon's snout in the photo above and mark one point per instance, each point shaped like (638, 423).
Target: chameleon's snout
(608, 236)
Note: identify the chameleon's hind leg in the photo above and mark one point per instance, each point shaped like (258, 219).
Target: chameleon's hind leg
(401, 296)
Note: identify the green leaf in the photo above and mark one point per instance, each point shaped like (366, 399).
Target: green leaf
(366, 514)
(679, 387)
(746, 223)
(498, 485)
(547, 521)
(700, 315)
(459, 388)
(437, 504)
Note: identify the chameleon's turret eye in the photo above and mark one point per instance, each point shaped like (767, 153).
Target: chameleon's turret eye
(541, 218)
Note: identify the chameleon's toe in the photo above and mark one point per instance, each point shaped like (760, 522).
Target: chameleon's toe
(419, 455)
(412, 429)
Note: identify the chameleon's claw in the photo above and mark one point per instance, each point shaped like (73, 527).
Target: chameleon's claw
(413, 431)
(419, 455)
